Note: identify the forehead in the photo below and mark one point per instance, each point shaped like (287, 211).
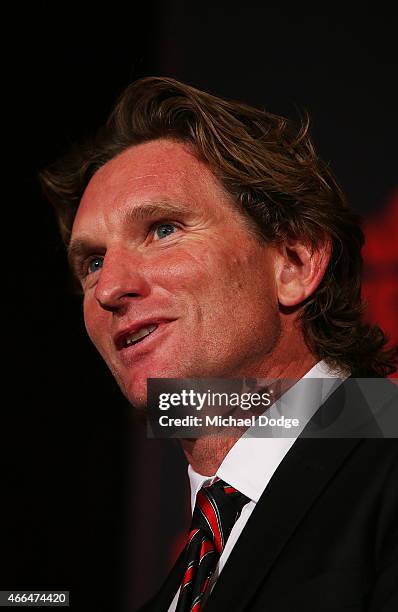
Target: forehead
(160, 170)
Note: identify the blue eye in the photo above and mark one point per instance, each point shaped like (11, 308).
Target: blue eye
(164, 229)
(95, 264)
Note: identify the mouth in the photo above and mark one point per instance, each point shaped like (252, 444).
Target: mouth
(138, 334)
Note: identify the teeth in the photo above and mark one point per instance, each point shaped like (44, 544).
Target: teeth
(141, 333)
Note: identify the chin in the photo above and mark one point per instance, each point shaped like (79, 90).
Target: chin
(135, 388)
(136, 394)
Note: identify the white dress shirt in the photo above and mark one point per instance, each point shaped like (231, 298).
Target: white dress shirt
(252, 461)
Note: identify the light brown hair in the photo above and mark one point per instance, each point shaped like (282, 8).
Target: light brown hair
(274, 175)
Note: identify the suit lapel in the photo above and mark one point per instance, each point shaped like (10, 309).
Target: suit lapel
(298, 481)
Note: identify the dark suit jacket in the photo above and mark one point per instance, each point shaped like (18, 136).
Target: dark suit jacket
(323, 536)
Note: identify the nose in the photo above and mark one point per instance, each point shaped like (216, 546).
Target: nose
(121, 278)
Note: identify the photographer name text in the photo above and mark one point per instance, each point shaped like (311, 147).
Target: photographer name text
(227, 421)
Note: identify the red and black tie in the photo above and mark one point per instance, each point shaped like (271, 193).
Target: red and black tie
(217, 508)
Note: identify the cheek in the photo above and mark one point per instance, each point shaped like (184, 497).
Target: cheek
(185, 274)
(249, 297)
(245, 275)
(93, 319)
(225, 285)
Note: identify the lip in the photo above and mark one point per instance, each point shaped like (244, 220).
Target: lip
(120, 338)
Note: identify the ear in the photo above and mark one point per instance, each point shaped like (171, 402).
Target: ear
(299, 270)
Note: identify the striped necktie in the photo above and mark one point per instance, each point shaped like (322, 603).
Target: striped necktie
(217, 508)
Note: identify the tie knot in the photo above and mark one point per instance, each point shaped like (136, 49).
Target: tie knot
(217, 508)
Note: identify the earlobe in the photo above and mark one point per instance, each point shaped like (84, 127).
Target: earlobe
(299, 270)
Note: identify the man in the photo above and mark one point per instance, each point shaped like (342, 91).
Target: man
(210, 241)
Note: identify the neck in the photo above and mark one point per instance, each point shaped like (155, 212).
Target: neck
(206, 454)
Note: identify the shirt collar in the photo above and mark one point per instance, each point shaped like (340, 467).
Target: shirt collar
(252, 461)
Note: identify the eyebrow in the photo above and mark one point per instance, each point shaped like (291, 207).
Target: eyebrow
(149, 210)
(79, 247)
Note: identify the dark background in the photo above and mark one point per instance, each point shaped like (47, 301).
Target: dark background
(83, 487)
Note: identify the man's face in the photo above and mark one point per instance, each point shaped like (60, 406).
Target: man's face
(174, 283)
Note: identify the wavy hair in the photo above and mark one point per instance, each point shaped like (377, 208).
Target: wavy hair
(270, 168)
